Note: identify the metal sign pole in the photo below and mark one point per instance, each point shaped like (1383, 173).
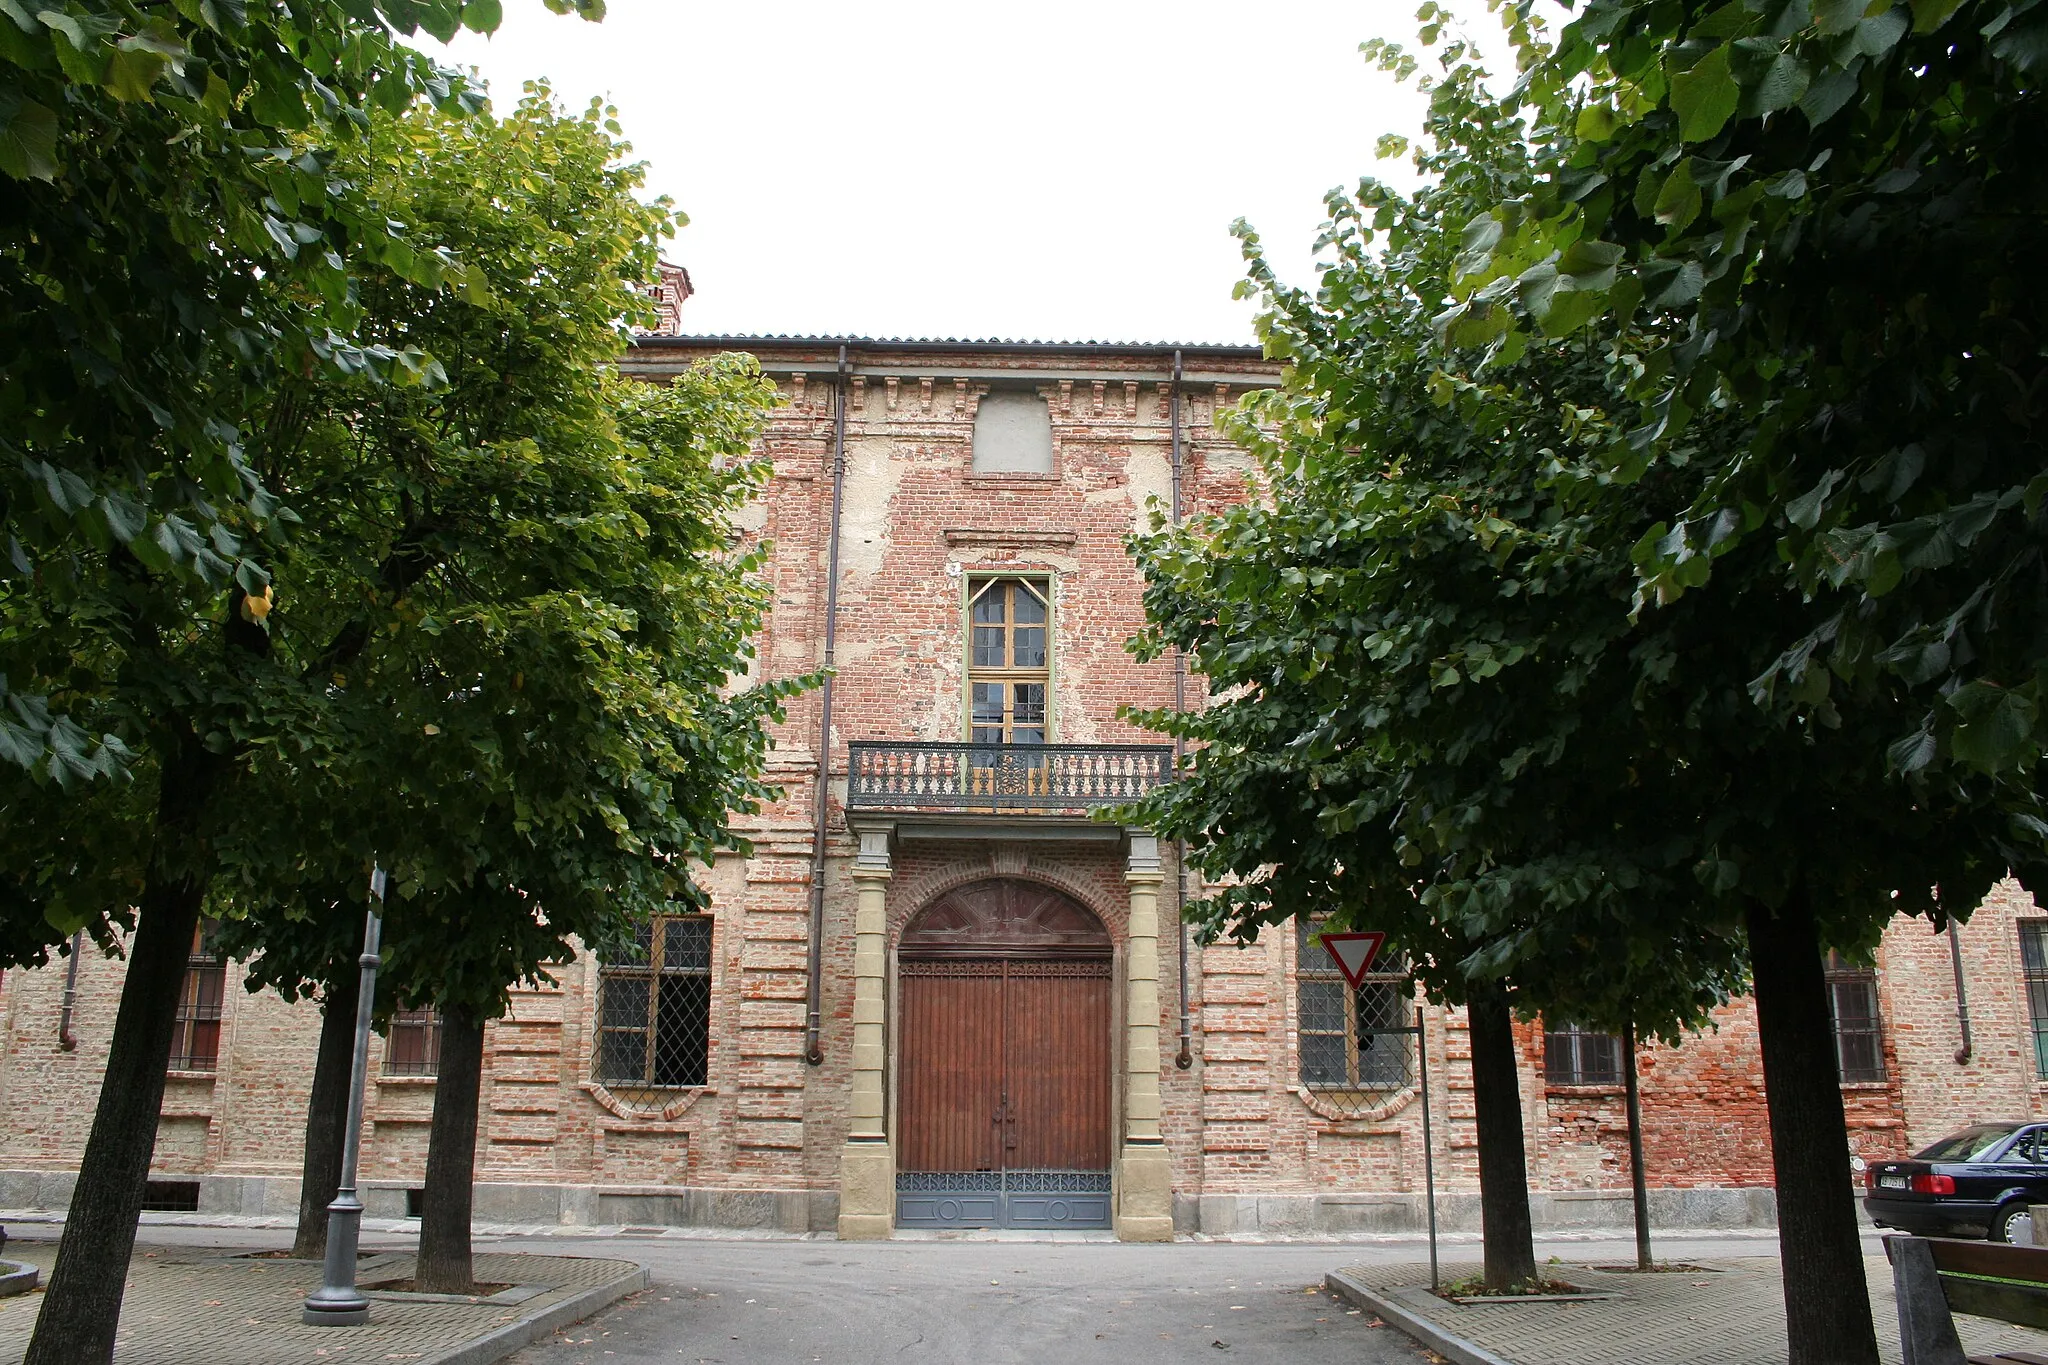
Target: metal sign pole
(1428, 1143)
(337, 1302)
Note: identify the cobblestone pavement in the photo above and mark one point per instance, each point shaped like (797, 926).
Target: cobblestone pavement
(1730, 1314)
(197, 1305)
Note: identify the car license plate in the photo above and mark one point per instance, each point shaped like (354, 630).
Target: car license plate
(1892, 1182)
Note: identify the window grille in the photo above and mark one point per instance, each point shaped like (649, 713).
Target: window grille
(1355, 1044)
(195, 1038)
(1576, 1056)
(1009, 662)
(1859, 1037)
(2034, 973)
(654, 1011)
(412, 1045)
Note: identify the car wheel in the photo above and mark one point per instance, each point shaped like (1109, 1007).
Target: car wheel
(2013, 1223)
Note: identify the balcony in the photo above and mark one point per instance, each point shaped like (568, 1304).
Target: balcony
(1039, 779)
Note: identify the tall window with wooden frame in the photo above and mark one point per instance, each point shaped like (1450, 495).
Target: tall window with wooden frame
(195, 1038)
(654, 1010)
(1859, 1036)
(1009, 678)
(1356, 1046)
(2034, 976)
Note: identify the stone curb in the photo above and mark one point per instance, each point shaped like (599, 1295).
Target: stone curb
(513, 1336)
(1424, 1330)
(16, 1278)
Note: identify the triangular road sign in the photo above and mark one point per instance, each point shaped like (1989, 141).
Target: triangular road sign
(1353, 953)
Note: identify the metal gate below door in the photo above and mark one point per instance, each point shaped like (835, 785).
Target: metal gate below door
(1002, 1199)
(1004, 1092)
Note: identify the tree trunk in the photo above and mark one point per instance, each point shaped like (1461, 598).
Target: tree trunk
(444, 1259)
(1827, 1310)
(1503, 1165)
(1638, 1178)
(76, 1323)
(327, 1113)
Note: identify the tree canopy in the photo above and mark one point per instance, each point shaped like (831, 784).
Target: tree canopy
(1831, 204)
(173, 238)
(1446, 705)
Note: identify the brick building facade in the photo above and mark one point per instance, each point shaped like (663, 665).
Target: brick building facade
(1004, 1026)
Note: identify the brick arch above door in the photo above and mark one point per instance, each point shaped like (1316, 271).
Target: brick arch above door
(1082, 881)
(1005, 916)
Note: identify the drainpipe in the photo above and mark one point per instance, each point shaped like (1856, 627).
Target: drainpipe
(814, 1052)
(65, 1038)
(1955, 958)
(1185, 1058)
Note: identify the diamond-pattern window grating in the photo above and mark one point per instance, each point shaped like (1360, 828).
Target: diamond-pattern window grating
(654, 1013)
(1357, 1046)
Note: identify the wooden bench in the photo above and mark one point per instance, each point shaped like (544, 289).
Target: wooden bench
(1937, 1277)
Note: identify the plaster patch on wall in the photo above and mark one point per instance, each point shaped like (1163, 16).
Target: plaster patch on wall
(753, 518)
(1150, 476)
(872, 478)
(1036, 559)
(1229, 462)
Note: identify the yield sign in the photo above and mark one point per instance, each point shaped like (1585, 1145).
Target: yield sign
(1354, 953)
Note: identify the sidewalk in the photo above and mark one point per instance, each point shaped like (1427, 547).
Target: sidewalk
(207, 1306)
(1731, 1313)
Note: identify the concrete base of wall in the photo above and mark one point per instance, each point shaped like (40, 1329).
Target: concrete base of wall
(260, 1196)
(798, 1211)
(1336, 1215)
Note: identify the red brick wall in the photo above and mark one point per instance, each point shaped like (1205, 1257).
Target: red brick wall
(916, 520)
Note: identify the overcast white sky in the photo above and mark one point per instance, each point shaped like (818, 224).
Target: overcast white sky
(1051, 170)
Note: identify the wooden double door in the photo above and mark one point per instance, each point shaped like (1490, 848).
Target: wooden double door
(1004, 1102)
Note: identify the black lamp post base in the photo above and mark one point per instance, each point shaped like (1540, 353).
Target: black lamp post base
(336, 1313)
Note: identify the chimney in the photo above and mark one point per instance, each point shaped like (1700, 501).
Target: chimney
(671, 287)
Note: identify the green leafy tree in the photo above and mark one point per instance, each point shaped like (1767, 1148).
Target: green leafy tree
(163, 265)
(172, 238)
(1833, 204)
(515, 615)
(1442, 711)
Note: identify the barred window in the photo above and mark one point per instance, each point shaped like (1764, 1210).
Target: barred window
(195, 1038)
(654, 1010)
(2034, 973)
(412, 1045)
(1354, 1043)
(1859, 1038)
(1576, 1056)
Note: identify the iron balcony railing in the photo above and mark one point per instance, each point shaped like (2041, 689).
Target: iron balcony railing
(1045, 778)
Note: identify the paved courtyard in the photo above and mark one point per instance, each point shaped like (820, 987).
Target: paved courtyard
(1070, 1303)
(1730, 1313)
(212, 1305)
(968, 1297)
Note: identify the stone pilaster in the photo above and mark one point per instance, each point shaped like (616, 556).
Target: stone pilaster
(867, 1164)
(1144, 1177)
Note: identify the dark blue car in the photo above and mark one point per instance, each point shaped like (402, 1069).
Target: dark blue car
(1974, 1183)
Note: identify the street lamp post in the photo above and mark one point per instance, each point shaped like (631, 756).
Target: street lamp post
(337, 1302)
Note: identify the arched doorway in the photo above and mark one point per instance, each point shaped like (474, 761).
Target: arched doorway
(1003, 1102)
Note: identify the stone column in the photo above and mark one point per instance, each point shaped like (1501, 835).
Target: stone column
(867, 1164)
(1144, 1176)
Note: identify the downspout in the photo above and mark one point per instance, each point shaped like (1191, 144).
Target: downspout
(1955, 958)
(1185, 1058)
(814, 1052)
(66, 1039)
